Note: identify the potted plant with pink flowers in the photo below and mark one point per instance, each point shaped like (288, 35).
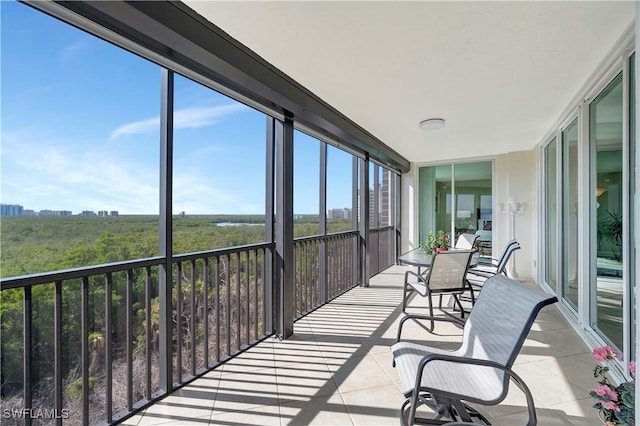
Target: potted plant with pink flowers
(616, 404)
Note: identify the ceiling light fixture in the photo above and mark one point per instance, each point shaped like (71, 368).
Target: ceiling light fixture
(432, 124)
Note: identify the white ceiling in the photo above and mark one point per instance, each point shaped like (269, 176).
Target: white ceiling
(499, 73)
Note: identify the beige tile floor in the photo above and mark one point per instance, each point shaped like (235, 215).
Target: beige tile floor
(336, 370)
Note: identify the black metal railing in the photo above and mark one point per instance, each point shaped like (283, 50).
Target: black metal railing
(84, 347)
(88, 336)
(382, 248)
(341, 263)
(333, 254)
(219, 301)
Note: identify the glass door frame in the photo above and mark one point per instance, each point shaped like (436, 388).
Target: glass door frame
(587, 217)
(590, 269)
(544, 208)
(454, 194)
(557, 136)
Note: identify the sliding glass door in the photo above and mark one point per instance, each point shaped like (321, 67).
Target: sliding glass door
(607, 208)
(474, 210)
(570, 206)
(588, 210)
(457, 198)
(435, 199)
(551, 213)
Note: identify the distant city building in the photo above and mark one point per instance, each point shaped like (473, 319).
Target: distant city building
(11, 210)
(55, 213)
(385, 199)
(344, 213)
(18, 210)
(383, 207)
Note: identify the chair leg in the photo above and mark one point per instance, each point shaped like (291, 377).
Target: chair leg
(473, 298)
(414, 405)
(462, 412)
(430, 310)
(408, 292)
(405, 296)
(457, 300)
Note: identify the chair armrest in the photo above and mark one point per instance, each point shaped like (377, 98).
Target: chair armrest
(480, 273)
(415, 274)
(481, 362)
(490, 261)
(420, 278)
(425, 317)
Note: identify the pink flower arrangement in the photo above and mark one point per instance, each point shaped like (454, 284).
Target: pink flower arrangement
(604, 390)
(606, 353)
(616, 403)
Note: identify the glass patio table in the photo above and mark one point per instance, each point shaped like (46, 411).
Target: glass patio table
(416, 257)
(419, 258)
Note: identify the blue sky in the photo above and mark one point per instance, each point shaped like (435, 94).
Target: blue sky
(80, 129)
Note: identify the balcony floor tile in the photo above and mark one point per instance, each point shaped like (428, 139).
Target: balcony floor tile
(336, 370)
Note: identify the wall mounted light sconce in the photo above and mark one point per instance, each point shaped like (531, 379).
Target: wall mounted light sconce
(513, 208)
(517, 207)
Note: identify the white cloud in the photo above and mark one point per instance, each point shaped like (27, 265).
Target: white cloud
(203, 116)
(192, 194)
(60, 176)
(43, 171)
(72, 52)
(182, 119)
(137, 127)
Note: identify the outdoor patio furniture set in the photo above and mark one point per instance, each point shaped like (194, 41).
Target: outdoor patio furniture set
(480, 370)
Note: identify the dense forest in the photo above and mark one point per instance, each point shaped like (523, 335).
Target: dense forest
(41, 244)
(31, 244)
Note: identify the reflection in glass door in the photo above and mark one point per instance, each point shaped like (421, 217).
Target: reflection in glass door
(551, 215)
(570, 207)
(435, 198)
(606, 256)
(472, 210)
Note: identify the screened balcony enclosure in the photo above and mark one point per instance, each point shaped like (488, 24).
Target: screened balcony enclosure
(203, 224)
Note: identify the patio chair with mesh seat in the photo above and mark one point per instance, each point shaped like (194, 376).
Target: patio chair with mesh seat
(479, 371)
(468, 242)
(495, 266)
(447, 275)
